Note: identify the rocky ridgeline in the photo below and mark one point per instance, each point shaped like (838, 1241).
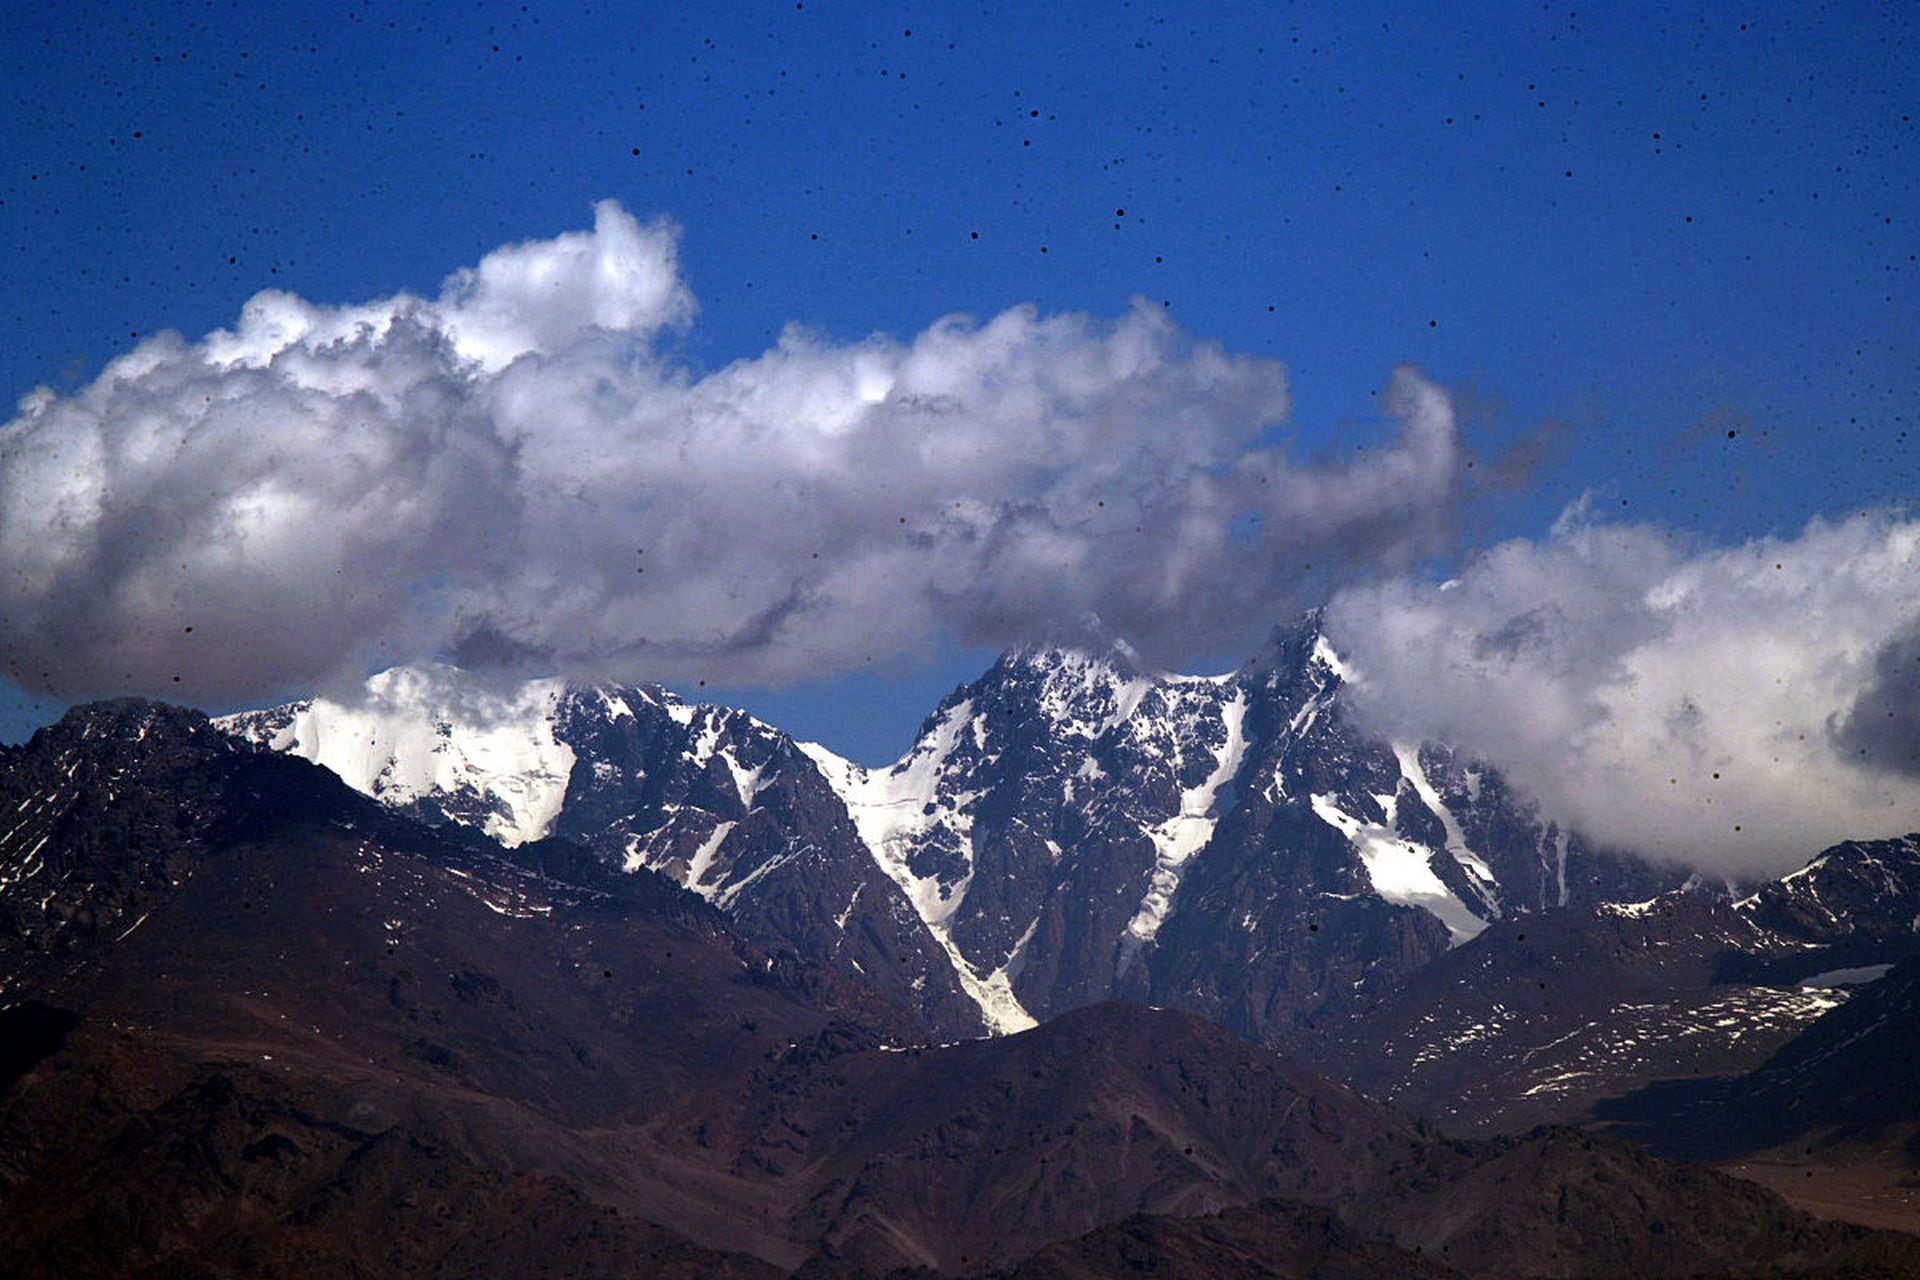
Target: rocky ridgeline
(1067, 828)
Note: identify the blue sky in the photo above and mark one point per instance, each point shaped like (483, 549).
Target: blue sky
(1673, 247)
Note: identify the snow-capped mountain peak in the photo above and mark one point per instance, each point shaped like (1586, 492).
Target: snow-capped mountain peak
(707, 796)
(1067, 828)
(436, 735)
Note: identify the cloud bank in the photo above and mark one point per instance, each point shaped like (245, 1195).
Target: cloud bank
(514, 475)
(1734, 709)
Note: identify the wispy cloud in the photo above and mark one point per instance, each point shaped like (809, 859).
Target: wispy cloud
(513, 474)
(1733, 708)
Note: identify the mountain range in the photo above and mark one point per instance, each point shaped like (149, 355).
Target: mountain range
(470, 979)
(1063, 830)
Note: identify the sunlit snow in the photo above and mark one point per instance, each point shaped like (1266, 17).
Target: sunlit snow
(1184, 834)
(433, 731)
(1399, 869)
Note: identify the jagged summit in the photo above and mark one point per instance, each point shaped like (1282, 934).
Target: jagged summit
(435, 738)
(708, 796)
(1092, 639)
(1069, 827)
(1063, 834)
(129, 720)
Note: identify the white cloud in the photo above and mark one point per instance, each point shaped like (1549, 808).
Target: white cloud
(1723, 707)
(512, 474)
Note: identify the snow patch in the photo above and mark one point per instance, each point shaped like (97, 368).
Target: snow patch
(846, 912)
(893, 808)
(1184, 834)
(1399, 869)
(1855, 977)
(1411, 769)
(729, 895)
(702, 861)
(745, 781)
(1560, 862)
(1324, 653)
(1000, 1009)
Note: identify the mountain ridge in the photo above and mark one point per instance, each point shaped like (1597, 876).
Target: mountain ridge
(331, 1039)
(1069, 828)
(1029, 853)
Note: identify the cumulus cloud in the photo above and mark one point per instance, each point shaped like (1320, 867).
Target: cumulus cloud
(1732, 708)
(512, 474)
(1882, 727)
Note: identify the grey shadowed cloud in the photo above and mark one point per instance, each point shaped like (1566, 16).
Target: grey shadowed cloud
(1882, 728)
(513, 474)
(1733, 708)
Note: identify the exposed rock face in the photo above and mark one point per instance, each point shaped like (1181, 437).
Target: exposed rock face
(110, 811)
(1078, 829)
(1856, 903)
(1852, 1079)
(711, 798)
(260, 1025)
(1068, 828)
(1542, 1016)
(1044, 819)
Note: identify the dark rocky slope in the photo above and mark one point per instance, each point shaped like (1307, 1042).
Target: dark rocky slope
(279, 1030)
(1541, 1017)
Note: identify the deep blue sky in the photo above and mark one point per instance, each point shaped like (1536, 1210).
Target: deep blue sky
(1627, 232)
